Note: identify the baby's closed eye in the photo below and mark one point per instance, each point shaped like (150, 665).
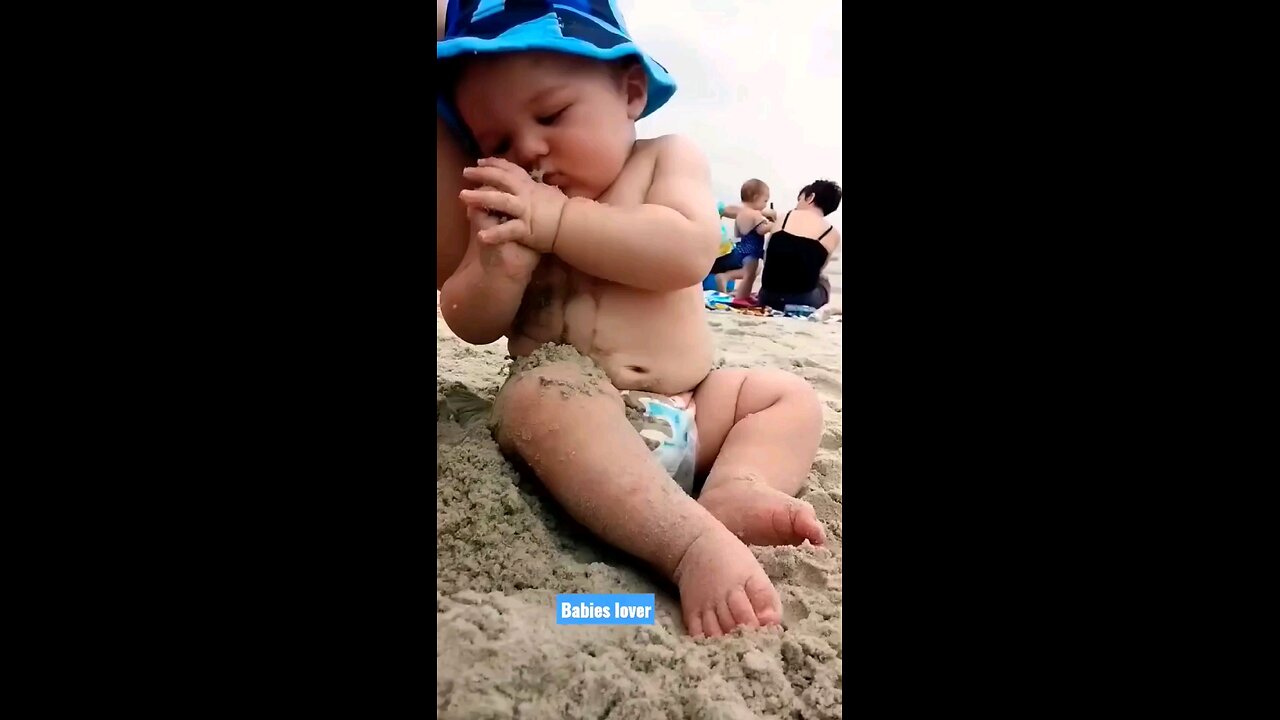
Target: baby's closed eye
(551, 118)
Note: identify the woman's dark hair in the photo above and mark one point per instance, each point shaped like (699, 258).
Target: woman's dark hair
(826, 195)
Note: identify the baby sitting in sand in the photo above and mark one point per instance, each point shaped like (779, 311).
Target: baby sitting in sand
(594, 276)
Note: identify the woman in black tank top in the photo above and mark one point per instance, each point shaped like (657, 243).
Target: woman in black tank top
(793, 264)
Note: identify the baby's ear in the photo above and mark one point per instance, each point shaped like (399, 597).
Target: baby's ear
(635, 87)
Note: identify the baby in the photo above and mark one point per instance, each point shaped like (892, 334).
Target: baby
(752, 226)
(594, 276)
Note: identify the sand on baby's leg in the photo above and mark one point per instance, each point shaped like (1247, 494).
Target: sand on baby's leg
(758, 433)
(561, 415)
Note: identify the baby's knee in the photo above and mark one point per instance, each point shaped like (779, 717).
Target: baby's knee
(783, 383)
(788, 388)
(531, 389)
(541, 397)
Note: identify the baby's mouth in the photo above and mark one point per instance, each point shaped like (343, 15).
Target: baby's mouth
(540, 175)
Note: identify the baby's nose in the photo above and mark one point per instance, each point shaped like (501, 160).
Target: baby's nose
(530, 151)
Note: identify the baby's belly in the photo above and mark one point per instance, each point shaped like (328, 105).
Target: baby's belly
(659, 342)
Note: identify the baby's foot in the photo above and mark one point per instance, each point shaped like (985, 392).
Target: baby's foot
(761, 515)
(722, 586)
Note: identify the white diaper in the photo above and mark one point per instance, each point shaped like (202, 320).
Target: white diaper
(670, 431)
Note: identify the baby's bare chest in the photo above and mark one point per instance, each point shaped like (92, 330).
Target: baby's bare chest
(562, 304)
(632, 186)
(558, 296)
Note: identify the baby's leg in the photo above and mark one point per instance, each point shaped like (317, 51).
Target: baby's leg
(742, 290)
(567, 422)
(758, 432)
(722, 279)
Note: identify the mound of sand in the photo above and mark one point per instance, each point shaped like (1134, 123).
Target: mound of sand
(506, 549)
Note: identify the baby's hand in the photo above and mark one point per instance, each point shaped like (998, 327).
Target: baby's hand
(534, 208)
(510, 258)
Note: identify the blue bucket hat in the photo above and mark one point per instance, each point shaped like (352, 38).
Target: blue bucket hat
(587, 28)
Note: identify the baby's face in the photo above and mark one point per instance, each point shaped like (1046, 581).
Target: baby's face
(570, 117)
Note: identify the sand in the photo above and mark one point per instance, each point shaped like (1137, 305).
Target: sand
(505, 549)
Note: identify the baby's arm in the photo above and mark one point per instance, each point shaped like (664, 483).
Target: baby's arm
(479, 302)
(668, 243)
(731, 212)
(749, 219)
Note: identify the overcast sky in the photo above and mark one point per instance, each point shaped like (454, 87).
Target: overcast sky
(758, 87)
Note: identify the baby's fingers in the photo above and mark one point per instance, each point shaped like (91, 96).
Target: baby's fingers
(509, 231)
(493, 200)
(478, 216)
(495, 177)
(503, 164)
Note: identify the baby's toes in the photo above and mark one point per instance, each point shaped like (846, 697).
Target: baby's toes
(806, 524)
(741, 608)
(710, 624)
(725, 616)
(693, 622)
(764, 600)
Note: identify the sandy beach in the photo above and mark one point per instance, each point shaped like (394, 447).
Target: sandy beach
(505, 549)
